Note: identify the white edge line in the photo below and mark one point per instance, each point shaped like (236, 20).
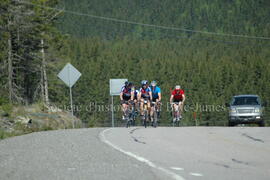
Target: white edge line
(196, 174)
(141, 159)
(177, 168)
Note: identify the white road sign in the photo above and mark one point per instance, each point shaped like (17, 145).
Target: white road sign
(69, 75)
(116, 85)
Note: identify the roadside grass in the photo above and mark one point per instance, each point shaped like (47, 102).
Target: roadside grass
(21, 129)
(4, 134)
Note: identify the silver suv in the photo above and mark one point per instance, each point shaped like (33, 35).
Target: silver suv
(246, 109)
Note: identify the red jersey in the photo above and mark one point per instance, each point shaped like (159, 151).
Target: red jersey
(178, 94)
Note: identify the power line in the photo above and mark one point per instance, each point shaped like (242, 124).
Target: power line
(144, 24)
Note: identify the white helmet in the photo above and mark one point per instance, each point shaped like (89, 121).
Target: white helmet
(153, 83)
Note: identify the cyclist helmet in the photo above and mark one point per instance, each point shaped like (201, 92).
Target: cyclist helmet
(126, 83)
(153, 83)
(144, 82)
(130, 84)
(177, 87)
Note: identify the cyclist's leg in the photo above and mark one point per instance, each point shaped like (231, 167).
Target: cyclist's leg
(149, 107)
(158, 108)
(141, 106)
(152, 110)
(137, 106)
(176, 110)
(130, 110)
(123, 111)
(124, 108)
(172, 110)
(180, 109)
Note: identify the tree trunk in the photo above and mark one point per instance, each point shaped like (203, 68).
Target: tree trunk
(44, 79)
(10, 70)
(10, 67)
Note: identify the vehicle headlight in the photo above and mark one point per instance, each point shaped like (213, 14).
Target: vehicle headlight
(257, 110)
(233, 110)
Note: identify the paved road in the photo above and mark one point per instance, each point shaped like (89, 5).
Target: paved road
(201, 152)
(65, 155)
(139, 153)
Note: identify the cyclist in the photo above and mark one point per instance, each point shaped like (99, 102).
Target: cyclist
(156, 93)
(178, 97)
(145, 94)
(126, 96)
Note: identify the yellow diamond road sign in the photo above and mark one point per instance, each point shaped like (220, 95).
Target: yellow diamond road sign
(69, 75)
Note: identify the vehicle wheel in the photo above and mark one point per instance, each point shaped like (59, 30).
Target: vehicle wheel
(261, 124)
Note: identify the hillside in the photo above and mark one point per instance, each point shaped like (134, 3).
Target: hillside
(247, 17)
(218, 49)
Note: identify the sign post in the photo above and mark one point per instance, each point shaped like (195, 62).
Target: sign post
(112, 113)
(115, 89)
(70, 75)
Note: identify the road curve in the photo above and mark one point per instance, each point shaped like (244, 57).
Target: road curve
(200, 152)
(139, 153)
(68, 154)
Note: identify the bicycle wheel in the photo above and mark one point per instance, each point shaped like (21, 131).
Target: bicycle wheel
(128, 123)
(133, 116)
(178, 123)
(145, 118)
(155, 116)
(127, 117)
(174, 119)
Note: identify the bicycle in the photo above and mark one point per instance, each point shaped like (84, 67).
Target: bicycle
(176, 114)
(145, 117)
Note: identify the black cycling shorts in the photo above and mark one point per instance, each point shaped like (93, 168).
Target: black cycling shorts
(126, 98)
(154, 99)
(144, 96)
(177, 100)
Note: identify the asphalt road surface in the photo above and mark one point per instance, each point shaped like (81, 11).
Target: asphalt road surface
(137, 153)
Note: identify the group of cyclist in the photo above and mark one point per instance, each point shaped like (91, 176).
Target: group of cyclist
(150, 95)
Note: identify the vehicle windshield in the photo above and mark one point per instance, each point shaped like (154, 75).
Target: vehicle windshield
(246, 101)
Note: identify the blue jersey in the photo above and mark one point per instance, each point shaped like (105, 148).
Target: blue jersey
(155, 91)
